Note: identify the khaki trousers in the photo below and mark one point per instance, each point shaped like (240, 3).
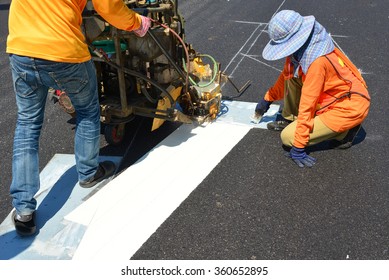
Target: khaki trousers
(320, 131)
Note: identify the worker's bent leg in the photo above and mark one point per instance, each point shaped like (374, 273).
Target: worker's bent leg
(319, 134)
(292, 94)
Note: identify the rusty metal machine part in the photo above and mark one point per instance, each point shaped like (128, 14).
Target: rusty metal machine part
(158, 76)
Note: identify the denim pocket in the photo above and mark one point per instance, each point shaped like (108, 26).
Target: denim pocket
(22, 86)
(71, 77)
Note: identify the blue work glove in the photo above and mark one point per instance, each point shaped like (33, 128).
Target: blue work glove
(262, 107)
(300, 157)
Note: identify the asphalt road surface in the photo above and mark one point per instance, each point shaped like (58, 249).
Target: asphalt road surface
(256, 204)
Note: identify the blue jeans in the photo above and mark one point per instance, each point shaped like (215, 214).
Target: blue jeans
(32, 79)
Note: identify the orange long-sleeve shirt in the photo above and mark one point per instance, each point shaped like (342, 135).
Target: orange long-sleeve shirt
(50, 29)
(325, 80)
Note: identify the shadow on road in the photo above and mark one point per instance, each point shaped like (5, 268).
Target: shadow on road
(11, 244)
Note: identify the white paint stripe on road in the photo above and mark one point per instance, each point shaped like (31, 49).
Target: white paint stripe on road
(132, 206)
(128, 210)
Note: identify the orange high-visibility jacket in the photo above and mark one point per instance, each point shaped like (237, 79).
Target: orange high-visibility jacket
(328, 78)
(50, 29)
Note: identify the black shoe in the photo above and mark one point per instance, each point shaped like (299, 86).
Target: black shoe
(278, 125)
(24, 224)
(347, 141)
(105, 170)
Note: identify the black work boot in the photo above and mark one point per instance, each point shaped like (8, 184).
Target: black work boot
(347, 141)
(24, 224)
(105, 170)
(278, 125)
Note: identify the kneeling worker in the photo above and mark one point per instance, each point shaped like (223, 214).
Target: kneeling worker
(324, 94)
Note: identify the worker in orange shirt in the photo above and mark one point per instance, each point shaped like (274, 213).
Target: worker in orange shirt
(324, 94)
(47, 49)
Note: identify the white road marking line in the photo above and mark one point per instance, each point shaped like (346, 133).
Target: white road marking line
(250, 22)
(251, 46)
(253, 57)
(128, 210)
(339, 36)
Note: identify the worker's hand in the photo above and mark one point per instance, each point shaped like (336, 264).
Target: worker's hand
(262, 107)
(144, 26)
(300, 157)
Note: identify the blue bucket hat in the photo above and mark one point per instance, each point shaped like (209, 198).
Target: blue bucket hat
(288, 31)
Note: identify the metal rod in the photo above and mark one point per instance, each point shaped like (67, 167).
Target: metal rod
(164, 51)
(122, 79)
